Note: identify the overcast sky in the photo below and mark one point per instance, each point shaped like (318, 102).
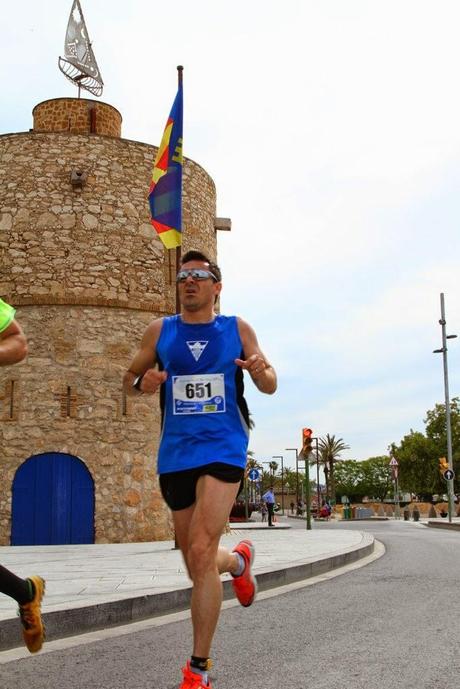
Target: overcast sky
(332, 131)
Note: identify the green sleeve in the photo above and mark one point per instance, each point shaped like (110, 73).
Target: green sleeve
(6, 315)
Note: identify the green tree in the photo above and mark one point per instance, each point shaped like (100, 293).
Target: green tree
(273, 466)
(376, 477)
(435, 422)
(266, 480)
(348, 479)
(418, 454)
(371, 478)
(330, 448)
(252, 462)
(436, 430)
(270, 478)
(289, 480)
(417, 457)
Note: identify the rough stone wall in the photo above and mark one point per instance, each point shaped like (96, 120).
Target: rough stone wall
(77, 116)
(87, 273)
(59, 245)
(81, 353)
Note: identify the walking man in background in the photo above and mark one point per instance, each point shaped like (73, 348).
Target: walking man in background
(269, 499)
(196, 361)
(27, 592)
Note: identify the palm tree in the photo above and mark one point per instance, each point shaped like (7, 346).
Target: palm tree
(273, 466)
(289, 479)
(329, 452)
(251, 462)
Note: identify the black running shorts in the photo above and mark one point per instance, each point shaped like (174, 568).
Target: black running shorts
(179, 487)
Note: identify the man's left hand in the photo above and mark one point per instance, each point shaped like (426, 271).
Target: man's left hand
(255, 364)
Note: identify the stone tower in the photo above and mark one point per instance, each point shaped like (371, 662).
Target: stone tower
(82, 265)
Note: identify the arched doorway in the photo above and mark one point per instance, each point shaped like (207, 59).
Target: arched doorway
(53, 501)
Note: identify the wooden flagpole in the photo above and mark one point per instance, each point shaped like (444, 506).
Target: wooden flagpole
(180, 69)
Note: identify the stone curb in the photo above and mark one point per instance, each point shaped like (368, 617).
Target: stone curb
(71, 621)
(442, 525)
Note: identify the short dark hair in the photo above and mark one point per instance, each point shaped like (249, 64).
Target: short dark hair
(193, 255)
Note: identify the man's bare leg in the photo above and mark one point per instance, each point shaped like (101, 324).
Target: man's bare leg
(198, 532)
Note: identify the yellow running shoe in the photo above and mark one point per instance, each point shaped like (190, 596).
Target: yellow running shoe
(31, 619)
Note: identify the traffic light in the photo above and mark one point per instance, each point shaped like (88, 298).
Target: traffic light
(443, 464)
(307, 438)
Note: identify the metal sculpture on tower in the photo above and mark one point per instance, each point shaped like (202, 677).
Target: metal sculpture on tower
(79, 64)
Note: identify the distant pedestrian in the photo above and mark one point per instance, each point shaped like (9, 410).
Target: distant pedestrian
(269, 499)
(263, 511)
(292, 505)
(28, 593)
(326, 510)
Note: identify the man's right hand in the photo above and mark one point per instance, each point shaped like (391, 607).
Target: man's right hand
(151, 380)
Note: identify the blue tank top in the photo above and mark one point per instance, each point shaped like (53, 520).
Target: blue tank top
(204, 414)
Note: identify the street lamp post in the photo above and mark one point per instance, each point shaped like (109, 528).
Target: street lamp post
(246, 498)
(307, 485)
(294, 449)
(394, 478)
(282, 481)
(443, 350)
(307, 493)
(269, 469)
(318, 491)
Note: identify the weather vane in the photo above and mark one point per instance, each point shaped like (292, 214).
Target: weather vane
(79, 64)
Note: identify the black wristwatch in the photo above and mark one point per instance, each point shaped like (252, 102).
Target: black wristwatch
(137, 382)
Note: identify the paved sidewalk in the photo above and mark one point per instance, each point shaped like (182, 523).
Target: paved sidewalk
(95, 586)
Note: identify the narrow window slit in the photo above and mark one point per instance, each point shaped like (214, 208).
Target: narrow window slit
(12, 391)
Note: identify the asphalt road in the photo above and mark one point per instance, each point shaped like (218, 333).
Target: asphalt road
(391, 624)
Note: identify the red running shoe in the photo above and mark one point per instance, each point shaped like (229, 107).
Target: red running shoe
(245, 586)
(193, 680)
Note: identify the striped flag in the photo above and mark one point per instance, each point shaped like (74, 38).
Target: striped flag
(165, 195)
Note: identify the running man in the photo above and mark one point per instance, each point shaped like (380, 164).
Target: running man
(196, 361)
(27, 592)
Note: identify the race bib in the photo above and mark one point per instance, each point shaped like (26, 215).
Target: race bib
(198, 394)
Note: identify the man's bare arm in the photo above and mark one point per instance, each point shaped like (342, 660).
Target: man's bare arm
(255, 362)
(144, 363)
(13, 345)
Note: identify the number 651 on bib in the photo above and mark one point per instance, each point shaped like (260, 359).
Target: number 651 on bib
(199, 394)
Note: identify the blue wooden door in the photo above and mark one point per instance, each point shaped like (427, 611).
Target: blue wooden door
(53, 501)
